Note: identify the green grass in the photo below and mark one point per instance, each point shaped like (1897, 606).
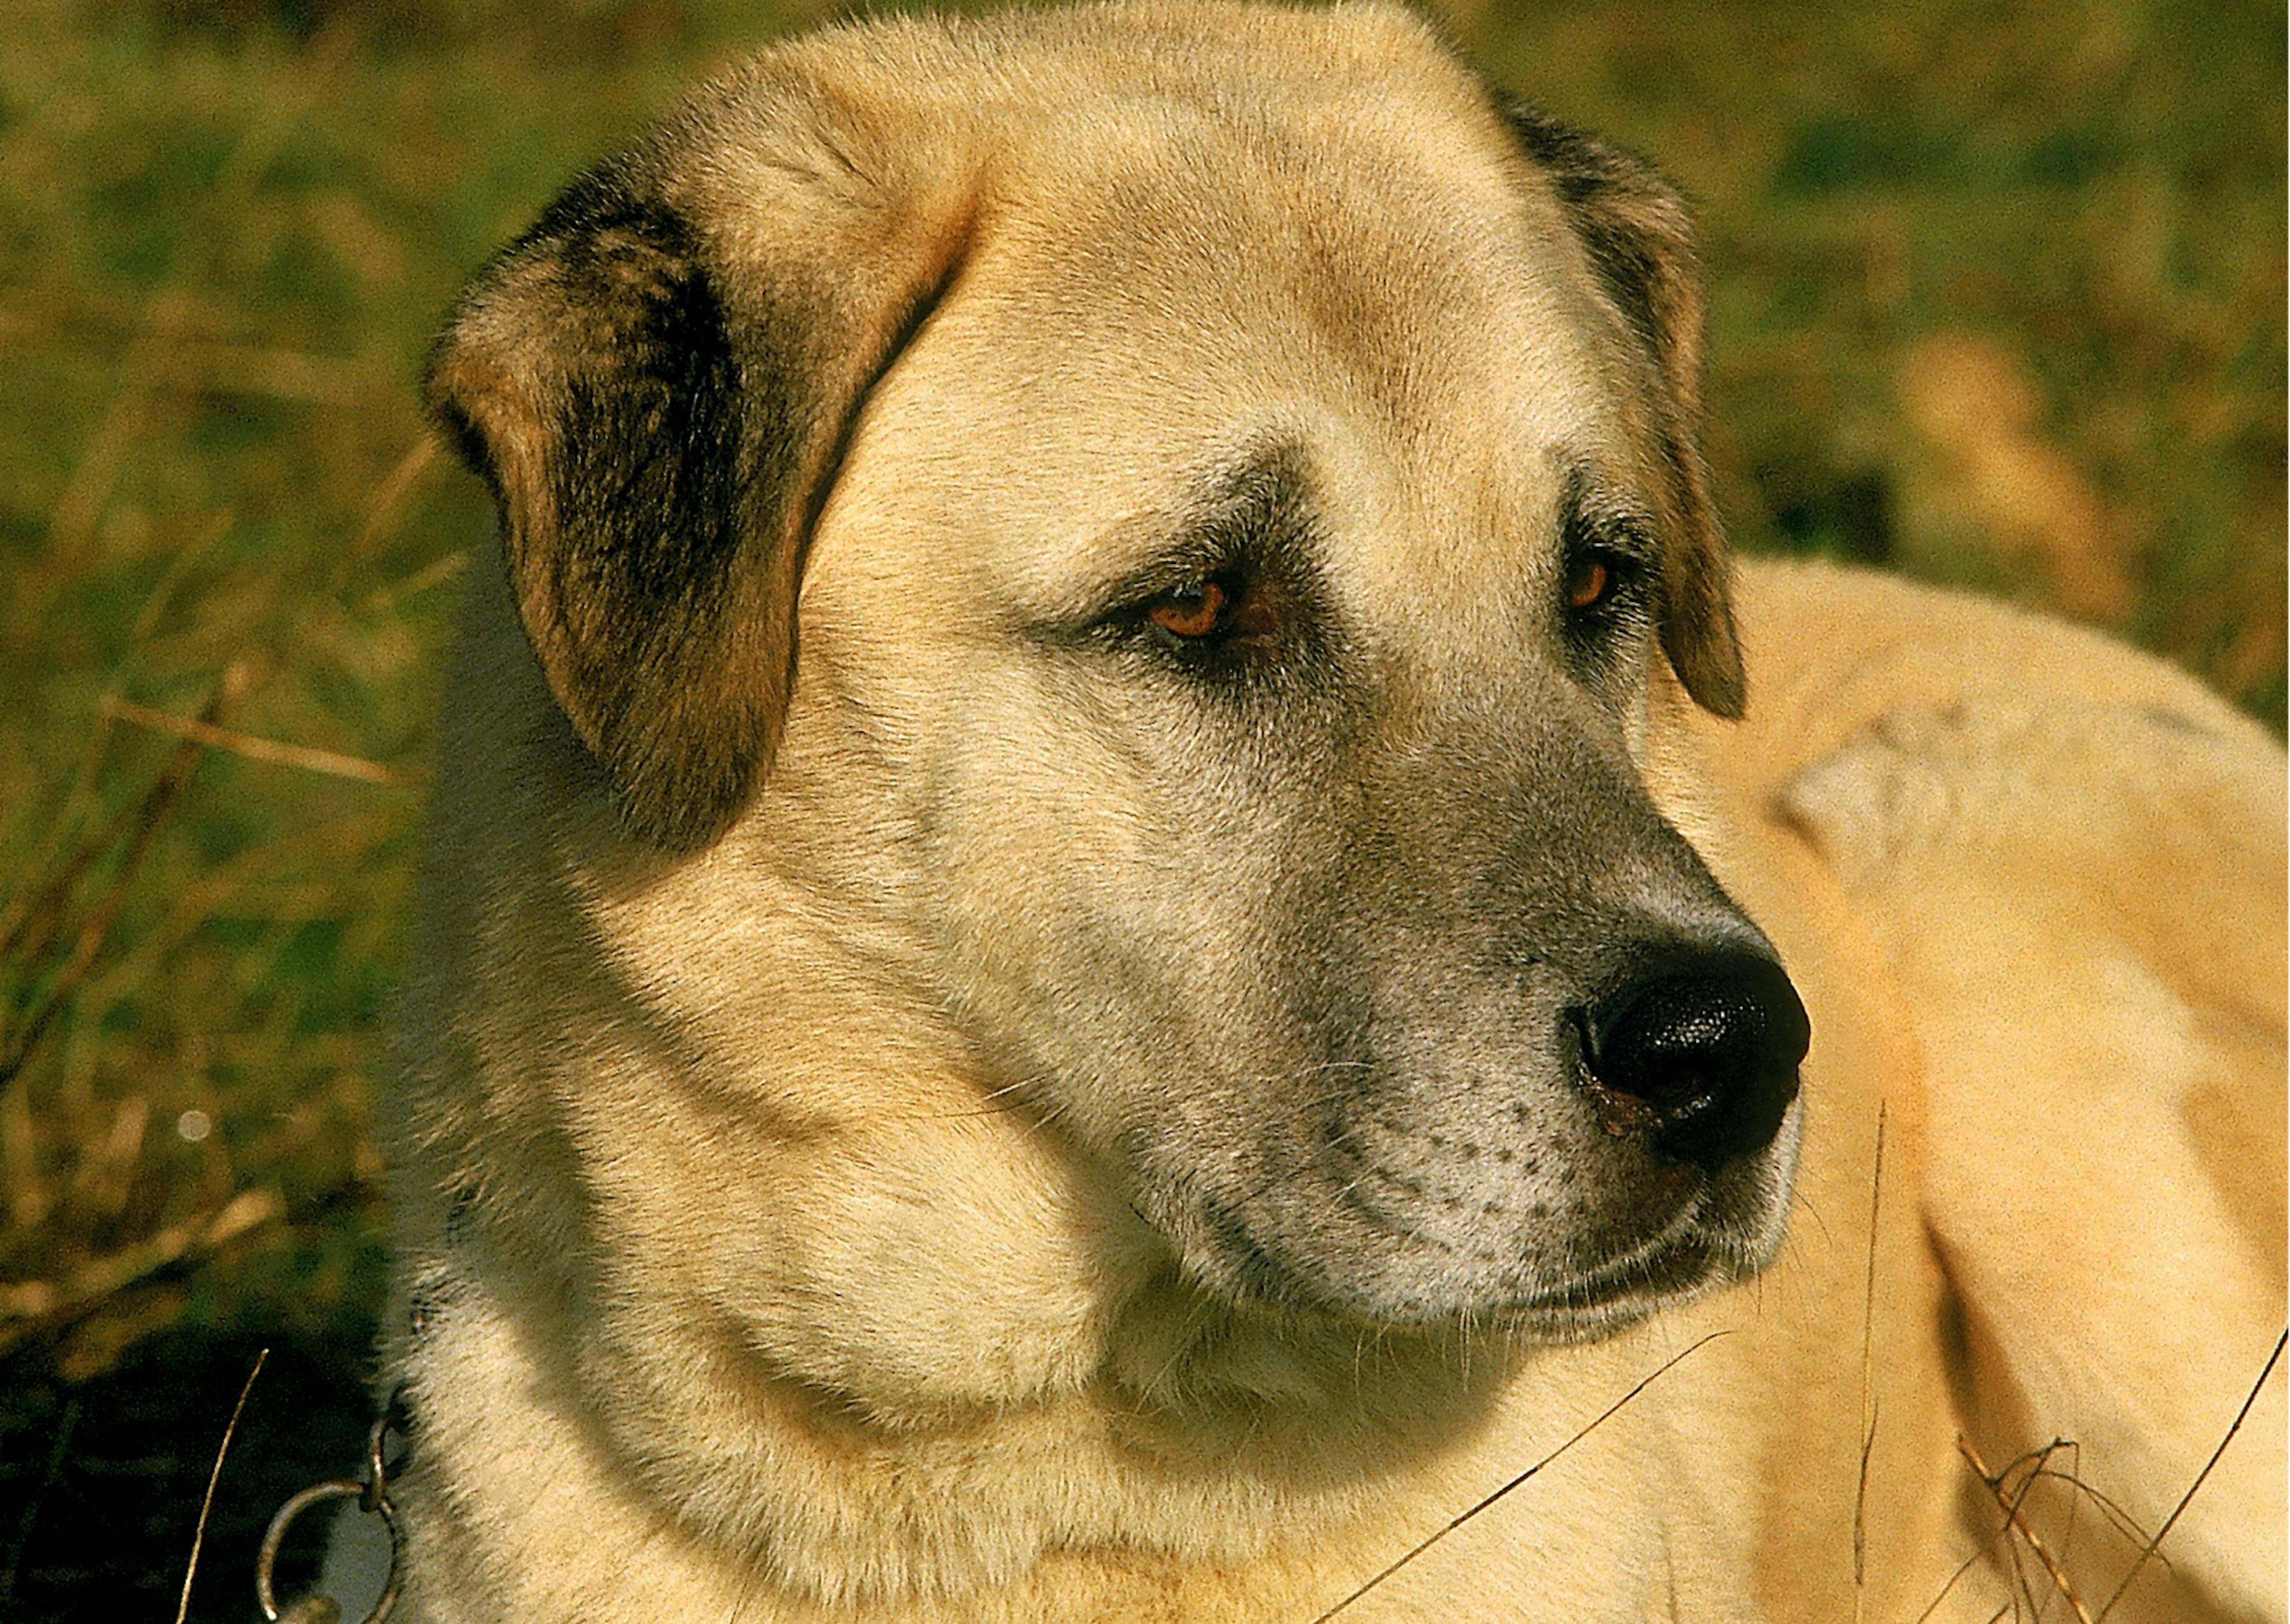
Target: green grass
(1996, 297)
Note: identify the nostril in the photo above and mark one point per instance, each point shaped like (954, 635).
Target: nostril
(1702, 1055)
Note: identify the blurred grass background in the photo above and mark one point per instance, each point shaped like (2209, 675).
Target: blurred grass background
(1997, 297)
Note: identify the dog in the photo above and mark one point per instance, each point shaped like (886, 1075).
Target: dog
(1124, 907)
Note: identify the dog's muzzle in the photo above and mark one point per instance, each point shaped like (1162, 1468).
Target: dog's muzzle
(1700, 1055)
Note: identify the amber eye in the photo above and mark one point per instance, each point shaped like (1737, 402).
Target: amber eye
(1191, 611)
(1588, 578)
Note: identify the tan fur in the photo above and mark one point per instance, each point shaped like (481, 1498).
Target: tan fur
(743, 1273)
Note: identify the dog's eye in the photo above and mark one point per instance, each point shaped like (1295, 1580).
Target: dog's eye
(1214, 611)
(1192, 611)
(1591, 579)
(1597, 578)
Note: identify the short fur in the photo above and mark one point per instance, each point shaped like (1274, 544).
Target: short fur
(926, 1095)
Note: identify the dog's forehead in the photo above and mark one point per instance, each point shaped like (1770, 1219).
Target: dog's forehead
(1144, 305)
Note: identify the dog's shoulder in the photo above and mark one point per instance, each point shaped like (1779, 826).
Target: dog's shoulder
(1833, 648)
(1910, 725)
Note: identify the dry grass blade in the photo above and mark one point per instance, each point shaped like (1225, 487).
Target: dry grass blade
(285, 375)
(2241, 1416)
(2012, 1507)
(1596, 1422)
(206, 1505)
(307, 758)
(34, 930)
(1867, 1384)
(2015, 1524)
(78, 510)
(34, 916)
(2011, 1504)
(1964, 1567)
(383, 599)
(2118, 1518)
(32, 1308)
(34, 899)
(390, 498)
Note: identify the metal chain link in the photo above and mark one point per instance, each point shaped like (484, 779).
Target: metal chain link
(372, 1492)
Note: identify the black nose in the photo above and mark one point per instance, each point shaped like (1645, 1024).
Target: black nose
(1702, 1054)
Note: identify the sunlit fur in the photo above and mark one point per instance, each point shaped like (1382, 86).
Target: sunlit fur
(891, 1195)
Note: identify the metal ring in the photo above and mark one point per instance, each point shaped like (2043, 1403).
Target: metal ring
(376, 1487)
(339, 1488)
(392, 1419)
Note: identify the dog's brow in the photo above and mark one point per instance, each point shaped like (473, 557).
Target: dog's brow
(1267, 490)
(1251, 506)
(1594, 510)
(1259, 505)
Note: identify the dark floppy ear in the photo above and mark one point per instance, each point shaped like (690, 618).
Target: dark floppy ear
(660, 421)
(1639, 235)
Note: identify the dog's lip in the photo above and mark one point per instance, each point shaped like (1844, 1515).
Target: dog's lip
(1647, 1274)
(1678, 1258)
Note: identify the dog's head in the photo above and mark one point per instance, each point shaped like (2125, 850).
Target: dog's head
(1191, 522)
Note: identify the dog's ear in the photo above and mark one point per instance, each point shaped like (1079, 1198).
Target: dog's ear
(660, 414)
(1639, 237)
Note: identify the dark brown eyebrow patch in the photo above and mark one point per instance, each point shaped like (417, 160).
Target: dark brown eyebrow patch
(1258, 514)
(1260, 509)
(1592, 513)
